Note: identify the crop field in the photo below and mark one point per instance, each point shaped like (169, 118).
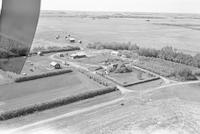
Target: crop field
(179, 31)
(168, 110)
(45, 89)
(161, 67)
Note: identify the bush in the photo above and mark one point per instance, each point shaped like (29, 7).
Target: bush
(122, 68)
(53, 104)
(113, 46)
(166, 53)
(53, 49)
(184, 74)
(33, 77)
(197, 73)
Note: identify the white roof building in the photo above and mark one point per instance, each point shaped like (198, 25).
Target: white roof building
(55, 65)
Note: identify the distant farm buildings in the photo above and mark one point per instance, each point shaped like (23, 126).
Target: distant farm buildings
(55, 65)
(72, 40)
(78, 55)
(57, 37)
(40, 53)
(115, 53)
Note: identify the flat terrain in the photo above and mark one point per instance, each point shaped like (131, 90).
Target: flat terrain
(158, 107)
(179, 31)
(146, 85)
(42, 90)
(169, 110)
(128, 78)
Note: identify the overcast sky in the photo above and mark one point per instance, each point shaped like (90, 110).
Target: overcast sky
(182, 6)
(179, 6)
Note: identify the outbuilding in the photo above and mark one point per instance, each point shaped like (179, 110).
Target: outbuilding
(72, 40)
(40, 53)
(55, 65)
(78, 55)
(115, 53)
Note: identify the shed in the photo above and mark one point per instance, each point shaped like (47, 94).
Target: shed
(40, 53)
(115, 53)
(55, 65)
(72, 40)
(78, 55)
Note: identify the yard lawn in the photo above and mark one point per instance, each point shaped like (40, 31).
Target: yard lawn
(40, 65)
(128, 78)
(41, 90)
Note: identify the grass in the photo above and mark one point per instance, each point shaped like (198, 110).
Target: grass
(135, 30)
(66, 84)
(128, 78)
(42, 75)
(189, 92)
(53, 104)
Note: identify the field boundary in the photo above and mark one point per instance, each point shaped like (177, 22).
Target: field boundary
(130, 84)
(43, 75)
(54, 104)
(58, 50)
(141, 82)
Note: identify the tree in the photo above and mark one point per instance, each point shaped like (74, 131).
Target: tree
(184, 74)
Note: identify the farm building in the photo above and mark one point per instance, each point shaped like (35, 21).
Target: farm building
(61, 55)
(55, 65)
(114, 53)
(78, 55)
(58, 37)
(72, 40)
(40, 53)
(80, 41)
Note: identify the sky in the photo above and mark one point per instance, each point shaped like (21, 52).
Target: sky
(177, 6)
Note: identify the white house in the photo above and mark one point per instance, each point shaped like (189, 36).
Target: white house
(115, 53)
(40, 53)
(55, 65)
(78, 55)
(72, 40)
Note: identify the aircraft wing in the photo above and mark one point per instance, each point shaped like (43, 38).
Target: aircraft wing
(18, 23)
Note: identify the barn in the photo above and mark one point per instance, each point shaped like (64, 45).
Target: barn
(78, 55)
(55, 65)
(72, 40)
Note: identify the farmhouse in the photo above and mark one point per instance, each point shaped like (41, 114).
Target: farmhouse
(55, 65)
(114, 53)
(78, 55)
(40, 53)
(72, 40)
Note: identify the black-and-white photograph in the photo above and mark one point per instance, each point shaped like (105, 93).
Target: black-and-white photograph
(99, 67)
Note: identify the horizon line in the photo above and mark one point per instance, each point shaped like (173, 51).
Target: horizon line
(121, 11)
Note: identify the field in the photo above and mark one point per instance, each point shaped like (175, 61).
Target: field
(151, 107)
(46, 89)
(161, 67)
(168, 110)
(134, 28)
